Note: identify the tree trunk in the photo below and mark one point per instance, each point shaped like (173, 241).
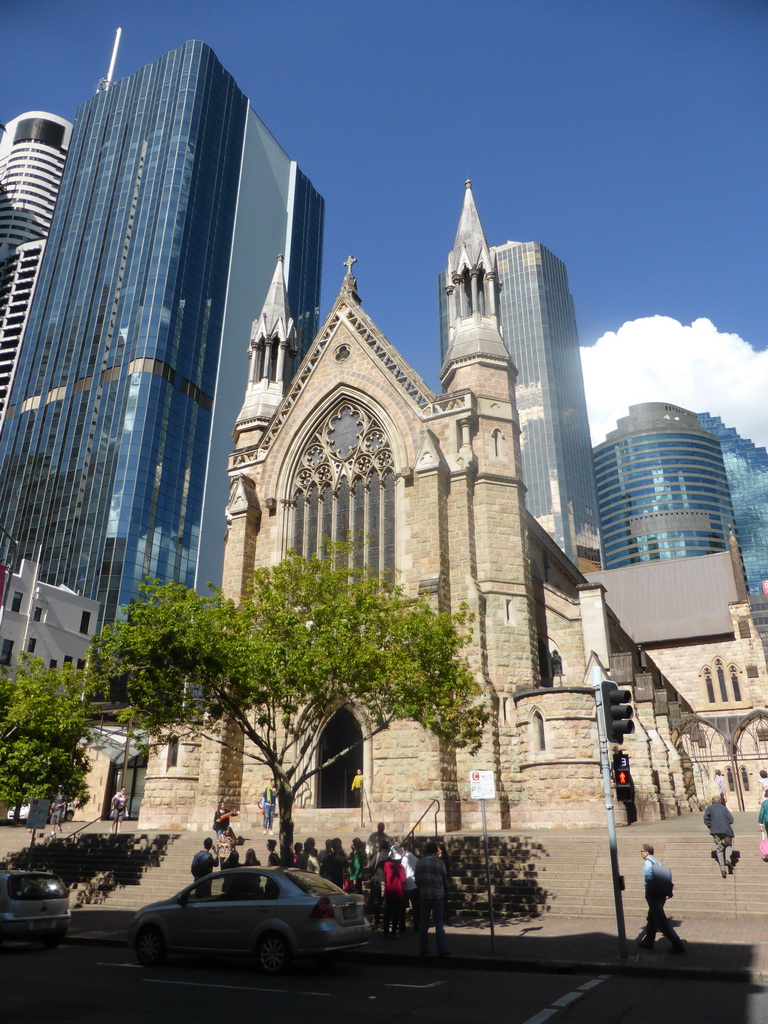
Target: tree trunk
(285, 798)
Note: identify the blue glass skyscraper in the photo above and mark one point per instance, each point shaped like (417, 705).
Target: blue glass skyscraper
(173, 206)
(662, 487)
(746, 467)
(539, 327)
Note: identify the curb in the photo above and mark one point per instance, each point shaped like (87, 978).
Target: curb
(511, 965)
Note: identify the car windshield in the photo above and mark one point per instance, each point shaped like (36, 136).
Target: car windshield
(311, 883)
(36, 887)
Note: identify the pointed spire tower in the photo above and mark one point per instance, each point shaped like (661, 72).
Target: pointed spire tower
(271, 352)
(473, 292)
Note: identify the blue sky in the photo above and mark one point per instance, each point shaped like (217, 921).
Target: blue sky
(628, 136)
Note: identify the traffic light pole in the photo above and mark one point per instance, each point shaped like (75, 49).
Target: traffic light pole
(597, 678)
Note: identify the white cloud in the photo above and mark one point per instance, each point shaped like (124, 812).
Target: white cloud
(657, 359)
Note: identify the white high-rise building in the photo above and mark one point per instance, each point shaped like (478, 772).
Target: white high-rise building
(33, 151)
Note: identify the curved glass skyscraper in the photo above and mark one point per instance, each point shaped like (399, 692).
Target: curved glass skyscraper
(662, 487)
(174, 204)
(746, 466)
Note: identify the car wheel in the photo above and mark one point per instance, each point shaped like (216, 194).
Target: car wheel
(52, 941)
(150, 947)
(69, 816)
(273, 953)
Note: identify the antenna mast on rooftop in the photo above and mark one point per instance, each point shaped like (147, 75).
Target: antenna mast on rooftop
(106, 83)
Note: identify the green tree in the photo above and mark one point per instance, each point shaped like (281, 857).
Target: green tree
(310, 636)
(43, 721)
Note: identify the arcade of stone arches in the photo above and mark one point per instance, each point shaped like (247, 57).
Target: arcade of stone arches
(738, 746)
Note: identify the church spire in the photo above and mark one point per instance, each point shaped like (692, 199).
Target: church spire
(473, 291)
(270, 352)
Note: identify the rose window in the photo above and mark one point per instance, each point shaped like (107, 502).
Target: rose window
(344, 488)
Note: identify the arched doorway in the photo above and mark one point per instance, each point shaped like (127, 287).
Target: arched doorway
(342, 731)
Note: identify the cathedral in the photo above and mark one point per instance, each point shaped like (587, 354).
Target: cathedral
(355, 443)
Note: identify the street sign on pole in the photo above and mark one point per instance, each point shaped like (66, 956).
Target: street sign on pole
(37, 817)
(38, 813)
(482, 787)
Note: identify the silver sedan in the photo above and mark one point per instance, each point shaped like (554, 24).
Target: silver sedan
(272, 913)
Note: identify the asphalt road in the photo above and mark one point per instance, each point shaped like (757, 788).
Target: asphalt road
(96, 984)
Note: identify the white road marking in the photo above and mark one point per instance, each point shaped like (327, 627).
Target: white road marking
(566, 1000)
(434, 984)
(103, 963)
(237, 988)
(540, 1017)
(593, 983)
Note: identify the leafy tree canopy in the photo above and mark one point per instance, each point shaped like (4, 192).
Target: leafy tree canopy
(310, 636)
(43, 721)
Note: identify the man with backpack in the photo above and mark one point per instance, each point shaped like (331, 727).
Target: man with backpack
(657, 881)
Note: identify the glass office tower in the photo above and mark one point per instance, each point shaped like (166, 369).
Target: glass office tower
(174, 204)
(539, 327)
(662, 487)
(746, 467)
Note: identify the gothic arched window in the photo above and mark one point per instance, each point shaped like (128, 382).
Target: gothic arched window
(734, 673)
(721, 680)
(710, 687)
(539, 734)
(172, 760)
(344, 488)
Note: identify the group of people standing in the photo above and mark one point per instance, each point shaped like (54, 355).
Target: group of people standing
(399, 880)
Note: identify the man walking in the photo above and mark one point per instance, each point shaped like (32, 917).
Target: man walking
(658, 888)
(719, 821)
(720, 783)
(432, 883)
(57, 813)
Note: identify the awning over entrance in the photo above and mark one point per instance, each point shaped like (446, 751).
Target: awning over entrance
(110, 740)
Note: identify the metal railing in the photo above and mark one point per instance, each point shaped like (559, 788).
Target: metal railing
(77, 831)
(410, 835)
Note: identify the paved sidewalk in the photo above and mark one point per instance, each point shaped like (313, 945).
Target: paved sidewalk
(736, 950)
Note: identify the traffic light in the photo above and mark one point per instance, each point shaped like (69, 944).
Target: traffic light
(617, 711)
(622, 777)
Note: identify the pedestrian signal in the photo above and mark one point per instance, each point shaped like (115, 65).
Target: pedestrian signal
(622, 777)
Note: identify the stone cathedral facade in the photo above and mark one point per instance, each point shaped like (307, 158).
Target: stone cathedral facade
(357, 443)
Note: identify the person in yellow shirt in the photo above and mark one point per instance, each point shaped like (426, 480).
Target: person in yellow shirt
(357, 787)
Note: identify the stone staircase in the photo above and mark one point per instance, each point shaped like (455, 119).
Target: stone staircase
(94, 865)
(569, 875)
(561, 873)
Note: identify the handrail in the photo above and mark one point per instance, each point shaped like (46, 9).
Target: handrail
(435, 801)
(367, 804)
(78, 830)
